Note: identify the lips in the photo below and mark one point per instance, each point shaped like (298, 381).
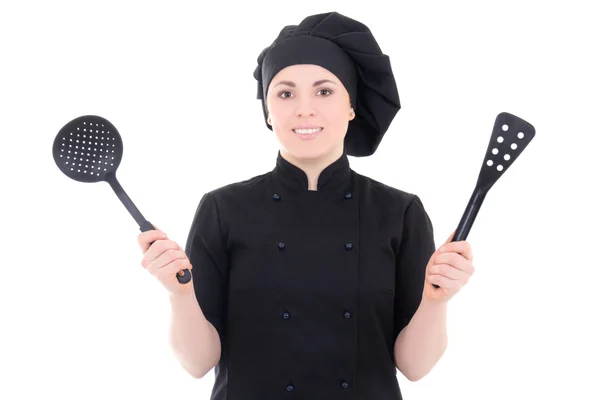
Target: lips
(307, 127)
(319, 129)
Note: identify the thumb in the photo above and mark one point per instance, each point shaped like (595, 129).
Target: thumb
(156, 228)
(450, 237)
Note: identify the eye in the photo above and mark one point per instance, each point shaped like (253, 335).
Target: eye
(288, 92)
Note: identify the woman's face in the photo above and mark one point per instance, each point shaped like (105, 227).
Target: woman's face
(294, 100)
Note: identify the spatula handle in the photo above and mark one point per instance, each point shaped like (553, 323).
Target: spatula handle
(184, 275)
(468, 217)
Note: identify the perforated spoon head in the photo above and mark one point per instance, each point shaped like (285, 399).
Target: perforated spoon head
(88, 148)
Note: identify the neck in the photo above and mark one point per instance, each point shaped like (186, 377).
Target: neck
(313, 167)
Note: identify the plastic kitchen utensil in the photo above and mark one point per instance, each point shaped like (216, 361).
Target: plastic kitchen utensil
(510, 136)
(89, 149)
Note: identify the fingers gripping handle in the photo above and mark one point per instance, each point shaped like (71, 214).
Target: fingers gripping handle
(466, 222)
(468, 218)
(184, 275)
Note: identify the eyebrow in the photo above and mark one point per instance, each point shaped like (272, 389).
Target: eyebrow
(292, 84)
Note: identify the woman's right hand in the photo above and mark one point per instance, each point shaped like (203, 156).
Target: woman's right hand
(164, 259)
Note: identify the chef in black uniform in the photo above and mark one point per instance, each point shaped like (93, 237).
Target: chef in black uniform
(309, 282)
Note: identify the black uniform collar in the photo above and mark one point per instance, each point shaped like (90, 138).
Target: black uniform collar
(335, 177)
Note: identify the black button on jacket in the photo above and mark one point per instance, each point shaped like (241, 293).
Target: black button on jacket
(309, 289)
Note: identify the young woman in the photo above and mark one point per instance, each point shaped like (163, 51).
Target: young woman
(312, 281)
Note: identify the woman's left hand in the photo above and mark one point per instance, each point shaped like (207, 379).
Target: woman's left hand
(450, 267)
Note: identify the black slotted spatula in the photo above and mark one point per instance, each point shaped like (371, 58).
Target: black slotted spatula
(89, 149)
(510, 136)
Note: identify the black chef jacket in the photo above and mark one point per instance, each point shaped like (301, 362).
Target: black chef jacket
(308, 290)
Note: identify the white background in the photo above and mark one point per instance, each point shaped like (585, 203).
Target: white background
(80, 317)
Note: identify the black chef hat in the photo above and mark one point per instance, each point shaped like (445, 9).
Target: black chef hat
(347, 48)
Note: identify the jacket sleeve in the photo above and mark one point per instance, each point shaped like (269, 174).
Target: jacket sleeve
(416, 247)
(206, 250)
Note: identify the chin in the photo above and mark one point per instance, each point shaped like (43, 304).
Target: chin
(309, 152)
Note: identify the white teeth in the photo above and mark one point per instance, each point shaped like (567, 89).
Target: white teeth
(307, 131)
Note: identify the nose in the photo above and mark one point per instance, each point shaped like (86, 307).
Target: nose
(305, 107)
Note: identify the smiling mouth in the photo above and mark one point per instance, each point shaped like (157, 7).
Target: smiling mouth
(305, 131)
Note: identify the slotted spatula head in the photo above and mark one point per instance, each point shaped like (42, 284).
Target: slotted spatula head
(509, 138)
(88, 148)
